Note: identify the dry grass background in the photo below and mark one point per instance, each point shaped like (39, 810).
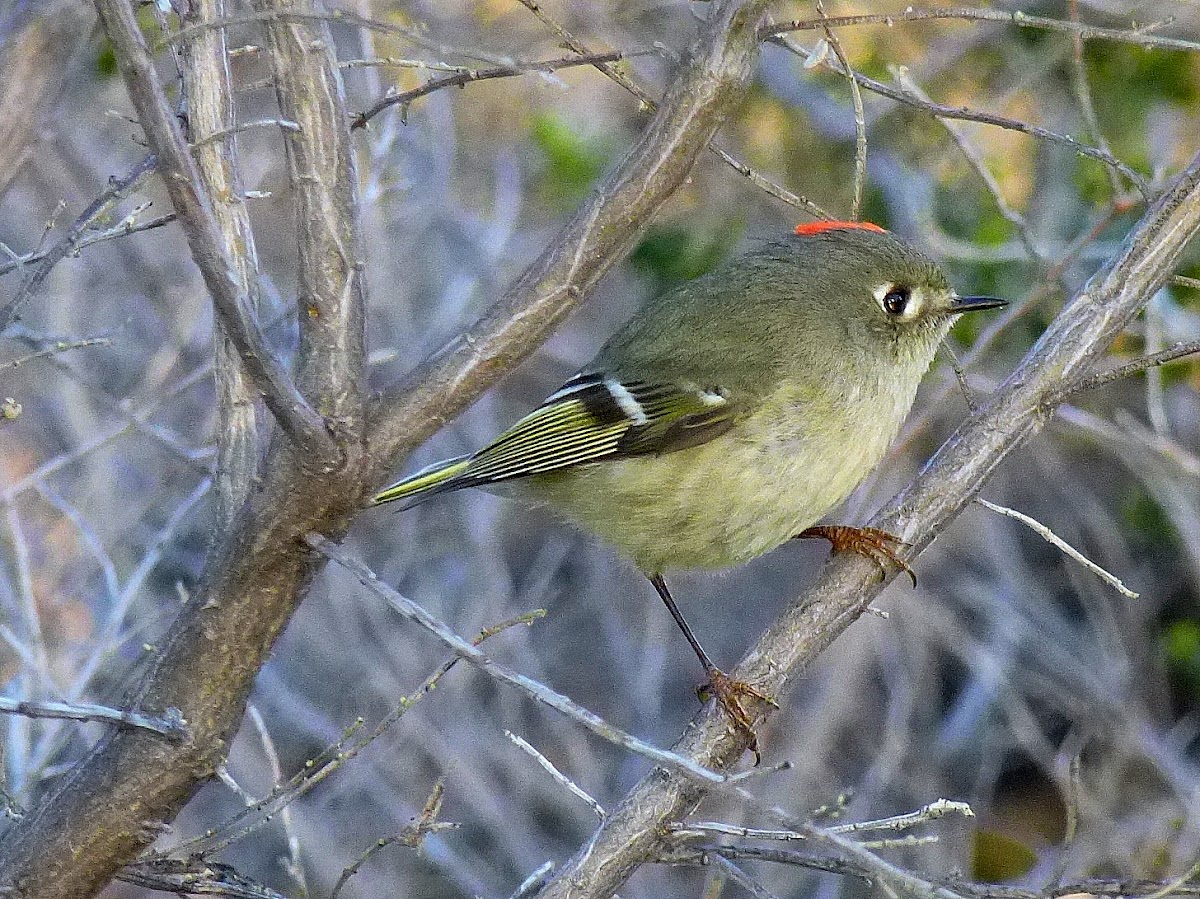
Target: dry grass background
(1011, 679)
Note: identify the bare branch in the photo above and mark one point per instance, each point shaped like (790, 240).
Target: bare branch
(531, 688)
(971, 115)
(324, 179)
(633, 832)
(59, 346)
(1017, 18)
(195, 877)
(117, 188)
(860, 118)
(711, 82)
(1091, 382)
(128, 225)
(1054, 540)
(467, 76)
(167, 726)
(207, 87)
(411, 837)
(178, 171)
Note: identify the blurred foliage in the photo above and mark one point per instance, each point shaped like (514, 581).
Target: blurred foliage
(572, 162)
(672, 253)
(1181, 644)
(997, 857)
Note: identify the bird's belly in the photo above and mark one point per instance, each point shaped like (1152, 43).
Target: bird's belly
(718, 504)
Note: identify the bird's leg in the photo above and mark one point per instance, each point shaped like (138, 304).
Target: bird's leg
(727, 691)
(878, 546)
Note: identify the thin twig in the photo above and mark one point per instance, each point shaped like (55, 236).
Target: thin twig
(126, 227)
(933, 811)
(975, 158)
(411, 837)
(460, 79)
(1083, 93)
(169, 725)
(971, 115)
(117, 189)
(535, 690)
(561, 779)
(860, 118)
(59, 346)
(303, 424)
(1091, 382)
(1018, 18)
(1052, 538)
(295, 864)
(221, 134)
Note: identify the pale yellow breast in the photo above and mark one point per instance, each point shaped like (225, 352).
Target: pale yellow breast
(725, 502)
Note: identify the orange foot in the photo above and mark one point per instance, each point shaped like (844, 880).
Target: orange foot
(878, 546)
(729, 694)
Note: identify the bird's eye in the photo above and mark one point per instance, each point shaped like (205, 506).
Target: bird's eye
(895, 301)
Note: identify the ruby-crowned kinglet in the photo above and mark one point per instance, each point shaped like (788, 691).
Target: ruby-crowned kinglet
(734, 411)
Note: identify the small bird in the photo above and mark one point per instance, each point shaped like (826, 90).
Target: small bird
(733, 412)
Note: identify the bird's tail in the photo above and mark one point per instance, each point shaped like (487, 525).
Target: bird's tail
(437, 478)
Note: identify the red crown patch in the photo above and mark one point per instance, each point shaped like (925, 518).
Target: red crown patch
(807, 229)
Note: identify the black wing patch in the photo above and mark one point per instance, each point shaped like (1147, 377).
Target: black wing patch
(594, 418)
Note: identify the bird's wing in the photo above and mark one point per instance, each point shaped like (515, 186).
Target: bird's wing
(597, 417)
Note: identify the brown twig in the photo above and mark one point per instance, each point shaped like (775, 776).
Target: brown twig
(207, 88)
(649, 104)
(973, 115)
(116, 190)
(178, 170)
(460, 79)
(324, 178)
(1017, 18)
(1145, 363)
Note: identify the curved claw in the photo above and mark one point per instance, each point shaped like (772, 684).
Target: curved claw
(878, 546)
(729, 694)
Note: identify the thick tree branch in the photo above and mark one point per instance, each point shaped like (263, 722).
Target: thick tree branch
(714, 78)
(112, 802)
(209, 93)
(320, 161)
(178, 170)
(635, 831)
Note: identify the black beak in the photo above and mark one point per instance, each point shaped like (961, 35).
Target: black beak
(975, 304)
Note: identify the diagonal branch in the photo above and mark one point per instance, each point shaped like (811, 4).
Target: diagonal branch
(324, 180)
(712, 81)
(114, 800)
(468, 76)
(178, 170)
(635, 830)
(208, 91)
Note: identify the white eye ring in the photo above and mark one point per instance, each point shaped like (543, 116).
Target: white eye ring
(899, 301)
